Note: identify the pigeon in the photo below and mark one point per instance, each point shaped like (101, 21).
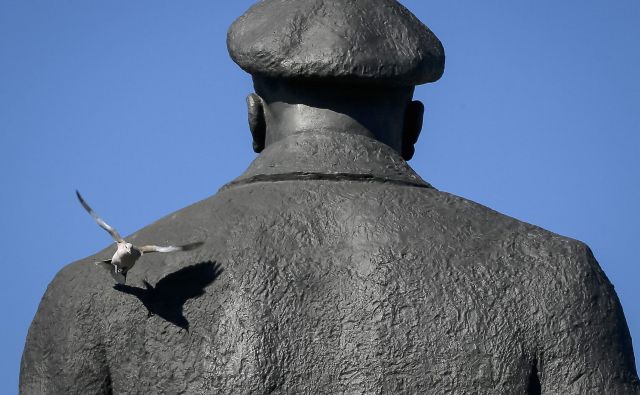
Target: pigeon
(127, 254)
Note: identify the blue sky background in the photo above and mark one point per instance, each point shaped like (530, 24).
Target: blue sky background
(537, 116)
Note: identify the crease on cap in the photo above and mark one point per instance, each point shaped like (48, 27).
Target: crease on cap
(374, 41)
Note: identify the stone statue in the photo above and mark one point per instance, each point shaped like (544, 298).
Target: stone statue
(330, 266)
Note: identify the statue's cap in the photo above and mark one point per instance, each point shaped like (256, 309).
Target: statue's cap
(370, 41)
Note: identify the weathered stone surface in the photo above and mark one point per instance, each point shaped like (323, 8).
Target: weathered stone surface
(373, 41)
(334, 285)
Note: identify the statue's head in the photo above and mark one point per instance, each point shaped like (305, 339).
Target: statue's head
(342, 65)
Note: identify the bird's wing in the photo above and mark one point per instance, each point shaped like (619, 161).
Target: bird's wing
(153, 248)
(114, 233)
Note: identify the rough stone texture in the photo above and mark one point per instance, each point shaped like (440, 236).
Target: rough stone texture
(337, 284)
(374, 41)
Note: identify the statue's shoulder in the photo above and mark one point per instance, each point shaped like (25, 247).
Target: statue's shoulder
(74, 293)
(555, 274)
(62, 346)
(509, 240)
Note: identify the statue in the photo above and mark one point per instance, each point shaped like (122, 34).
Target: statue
(330, 266)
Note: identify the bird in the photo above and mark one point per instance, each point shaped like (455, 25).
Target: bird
(127, 253)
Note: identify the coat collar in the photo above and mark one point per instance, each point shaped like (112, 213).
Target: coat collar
(329, 156)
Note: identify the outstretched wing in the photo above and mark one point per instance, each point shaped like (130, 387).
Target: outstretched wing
(153, 248)
(116, 236)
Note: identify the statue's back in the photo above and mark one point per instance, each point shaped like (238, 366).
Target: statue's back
(347, 285)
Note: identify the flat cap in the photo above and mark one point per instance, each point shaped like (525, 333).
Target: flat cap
(372, 41)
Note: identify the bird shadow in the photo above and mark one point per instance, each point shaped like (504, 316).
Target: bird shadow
(167, 298)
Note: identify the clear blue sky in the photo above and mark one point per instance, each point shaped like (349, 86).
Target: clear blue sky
(537, 116)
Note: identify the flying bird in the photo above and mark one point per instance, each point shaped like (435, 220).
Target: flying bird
(127, 254)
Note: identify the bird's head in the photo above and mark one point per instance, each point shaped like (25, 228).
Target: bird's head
(124, 246)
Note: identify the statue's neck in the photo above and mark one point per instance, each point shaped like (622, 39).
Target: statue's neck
(309, 155)
(284, 120)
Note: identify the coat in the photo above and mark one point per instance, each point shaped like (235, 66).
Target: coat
(330, 266)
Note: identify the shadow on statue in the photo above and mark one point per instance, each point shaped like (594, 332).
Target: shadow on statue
(167, 298)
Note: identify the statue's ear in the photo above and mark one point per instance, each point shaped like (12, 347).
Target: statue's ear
(257, 124)
(413, 117)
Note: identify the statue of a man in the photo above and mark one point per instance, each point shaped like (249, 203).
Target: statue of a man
(329, 266)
